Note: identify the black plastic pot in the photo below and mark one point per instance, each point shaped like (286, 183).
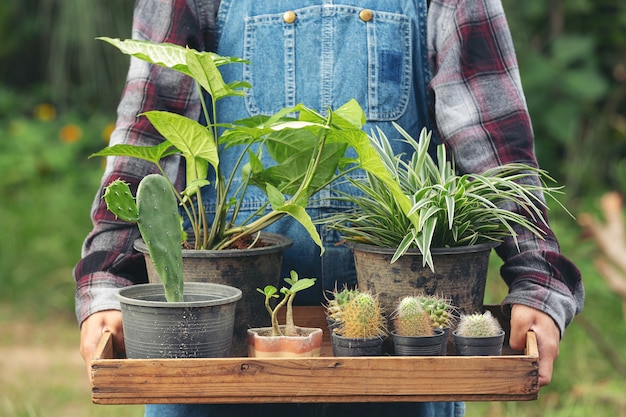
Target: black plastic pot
(346, 346)
(246, 269)
(479, 346)
(419, 345)
(199, 327)
(460, 274)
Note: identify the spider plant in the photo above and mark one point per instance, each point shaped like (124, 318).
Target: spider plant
(445, 209)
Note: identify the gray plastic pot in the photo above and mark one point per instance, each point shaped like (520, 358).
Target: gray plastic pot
(246, 269)
(199, 327)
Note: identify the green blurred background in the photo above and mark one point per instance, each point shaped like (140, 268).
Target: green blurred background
(58, 92)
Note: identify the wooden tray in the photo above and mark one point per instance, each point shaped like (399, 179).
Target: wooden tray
(511, 377)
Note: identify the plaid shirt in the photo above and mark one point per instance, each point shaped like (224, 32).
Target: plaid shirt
(479, 111)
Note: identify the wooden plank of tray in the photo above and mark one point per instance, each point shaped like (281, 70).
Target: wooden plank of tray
(322, 379)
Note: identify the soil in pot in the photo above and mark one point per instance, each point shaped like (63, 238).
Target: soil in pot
(261, 344)
(199, 327)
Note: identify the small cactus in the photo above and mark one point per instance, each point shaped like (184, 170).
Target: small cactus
(156, 213)
(441, 312)
(334, 306)
(411, 319)
(478, 325)
(362, 318)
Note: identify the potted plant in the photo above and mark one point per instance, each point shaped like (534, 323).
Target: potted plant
(435, 226)
(306, 150)
(286, 340)
(478, 335)
(414, 333)
(334, 305)
(361, 330)
(173, 320)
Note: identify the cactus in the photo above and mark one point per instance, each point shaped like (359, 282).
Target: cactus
(411, 319)
(441, 312)
(156, 213)
(362, 318)
(478, 325)
(334, 306)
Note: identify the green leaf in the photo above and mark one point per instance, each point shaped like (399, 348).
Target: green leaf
(148, 153)
(205, 72)
(192, 139)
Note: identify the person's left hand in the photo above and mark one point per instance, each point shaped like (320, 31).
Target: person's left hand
(525, 318)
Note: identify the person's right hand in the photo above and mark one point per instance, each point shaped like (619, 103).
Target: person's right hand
(91, 330)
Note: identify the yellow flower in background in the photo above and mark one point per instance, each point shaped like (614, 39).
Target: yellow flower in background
(70, 133)
(45, 112)
(107, 131)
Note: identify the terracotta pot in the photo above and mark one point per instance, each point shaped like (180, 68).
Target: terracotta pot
(262, 345)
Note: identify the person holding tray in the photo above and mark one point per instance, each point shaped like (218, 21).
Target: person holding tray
(448, 65)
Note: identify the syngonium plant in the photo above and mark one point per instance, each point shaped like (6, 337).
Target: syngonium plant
(417, 201)
(308, 151)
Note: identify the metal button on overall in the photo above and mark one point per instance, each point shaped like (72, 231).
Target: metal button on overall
(289, 17)
(366, 15)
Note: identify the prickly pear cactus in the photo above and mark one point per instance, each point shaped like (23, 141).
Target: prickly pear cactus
(362, 318)
(478, 325)
(411, 319)
(156, 213)
(120, 201)
(159, 224)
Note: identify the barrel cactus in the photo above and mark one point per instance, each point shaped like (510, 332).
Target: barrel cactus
(441, 312)
(478, 325)
(411, 318)
(337, 301)
(362, 318)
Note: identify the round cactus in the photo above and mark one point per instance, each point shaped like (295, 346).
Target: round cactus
(362, 318)
(411, 319)
(335, 305)
(478, 325)
(441, 313)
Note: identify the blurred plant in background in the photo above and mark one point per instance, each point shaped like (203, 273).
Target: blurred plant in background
(46, 186)
(572, 56)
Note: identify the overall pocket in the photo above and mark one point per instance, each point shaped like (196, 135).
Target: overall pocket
(323, 56)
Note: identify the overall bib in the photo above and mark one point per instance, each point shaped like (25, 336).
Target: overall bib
(322, 54)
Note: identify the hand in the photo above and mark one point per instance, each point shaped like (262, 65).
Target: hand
(525, 318)
(91, 330)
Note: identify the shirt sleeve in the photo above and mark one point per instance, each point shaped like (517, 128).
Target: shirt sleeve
(480, 114)
(108, 260)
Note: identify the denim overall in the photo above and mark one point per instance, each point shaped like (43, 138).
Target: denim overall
(323, 54)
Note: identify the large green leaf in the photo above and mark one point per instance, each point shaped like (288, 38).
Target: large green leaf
(148, 153)
(203, 69)
(279, 204)
(192, 139)
(165, 54)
